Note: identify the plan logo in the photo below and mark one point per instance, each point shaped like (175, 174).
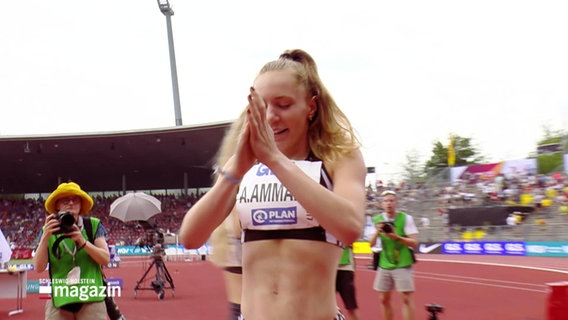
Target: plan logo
(274, 216)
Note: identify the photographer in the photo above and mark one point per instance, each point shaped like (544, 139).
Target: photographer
(398, 235)
(73, 260)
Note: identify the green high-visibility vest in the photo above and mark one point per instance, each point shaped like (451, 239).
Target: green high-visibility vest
(91, 276)
(394, 255)
(346, 256)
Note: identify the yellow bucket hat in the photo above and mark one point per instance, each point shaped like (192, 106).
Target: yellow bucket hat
(67, 189)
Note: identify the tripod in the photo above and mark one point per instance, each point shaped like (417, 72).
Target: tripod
(162, 280)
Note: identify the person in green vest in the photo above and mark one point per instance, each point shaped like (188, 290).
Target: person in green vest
(74, 263)
(398, 235)
(345, 283)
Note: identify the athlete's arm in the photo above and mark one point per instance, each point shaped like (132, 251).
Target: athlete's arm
(341, 210)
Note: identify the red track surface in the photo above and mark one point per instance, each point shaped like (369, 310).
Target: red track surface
(468, 287)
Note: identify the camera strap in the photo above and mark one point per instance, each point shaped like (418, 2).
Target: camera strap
(87, 224)
(55, 249)
(89, 229)
(72, 253)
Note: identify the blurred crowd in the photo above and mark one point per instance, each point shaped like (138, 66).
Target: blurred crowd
(21, 220)
(547, 194)
(536, 190)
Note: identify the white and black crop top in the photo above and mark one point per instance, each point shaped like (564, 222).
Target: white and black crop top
(267, 210)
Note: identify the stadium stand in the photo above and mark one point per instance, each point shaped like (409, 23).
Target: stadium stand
(174, 166)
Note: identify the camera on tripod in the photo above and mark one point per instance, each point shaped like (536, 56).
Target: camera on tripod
(154, 241)
(434, 309)
(153, 238)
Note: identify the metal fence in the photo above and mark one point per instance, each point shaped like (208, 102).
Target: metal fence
(554, 232)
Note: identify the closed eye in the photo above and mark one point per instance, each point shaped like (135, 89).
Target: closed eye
(283, 102)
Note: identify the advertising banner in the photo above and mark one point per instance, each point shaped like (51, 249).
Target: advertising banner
(547, 249)
(169, 249)
(485, 248)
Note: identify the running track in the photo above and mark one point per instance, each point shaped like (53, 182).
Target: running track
(468, 287)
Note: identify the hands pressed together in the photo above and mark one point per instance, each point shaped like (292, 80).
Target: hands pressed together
(256, 141)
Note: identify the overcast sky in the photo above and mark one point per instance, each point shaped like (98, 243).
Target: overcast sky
(407, 73)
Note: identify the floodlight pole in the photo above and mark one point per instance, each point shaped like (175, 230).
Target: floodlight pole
(166, 9)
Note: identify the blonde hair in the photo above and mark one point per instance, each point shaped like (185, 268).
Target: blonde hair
(330, 134)
(219, 236)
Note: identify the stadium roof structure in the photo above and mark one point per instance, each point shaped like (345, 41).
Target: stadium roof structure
(168, 158)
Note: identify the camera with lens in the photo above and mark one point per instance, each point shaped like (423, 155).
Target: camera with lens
(387, 227)
(153, 238)
(66, 221)
(150, 239)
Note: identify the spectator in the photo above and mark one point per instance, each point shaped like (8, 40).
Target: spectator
(425, 221)
(511, 220)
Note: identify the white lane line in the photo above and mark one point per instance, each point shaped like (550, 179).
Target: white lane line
(478, 279)
(484, 284)
(497, 265)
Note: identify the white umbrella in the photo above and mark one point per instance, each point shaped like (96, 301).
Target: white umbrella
(135, 206)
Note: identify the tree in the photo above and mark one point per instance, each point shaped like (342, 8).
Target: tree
(551, 149)
(551, 135)
(413, 171)
(465, 154)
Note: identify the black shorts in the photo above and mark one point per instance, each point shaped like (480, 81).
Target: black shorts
(345, 285)
(236, 270)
